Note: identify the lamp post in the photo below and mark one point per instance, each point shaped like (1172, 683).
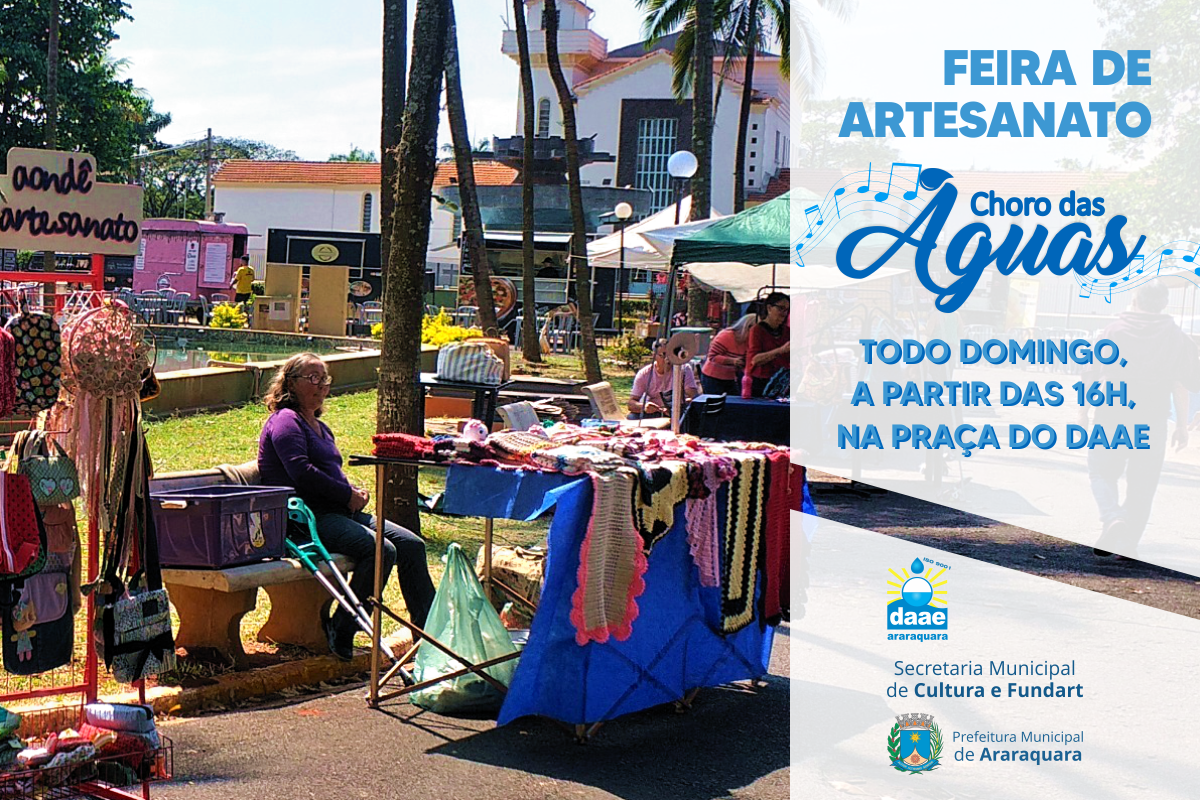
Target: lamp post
(622, 212)
(681, 166)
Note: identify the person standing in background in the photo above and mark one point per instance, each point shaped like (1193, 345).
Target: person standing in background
(242, 283)
(726, 358)
(769, 347)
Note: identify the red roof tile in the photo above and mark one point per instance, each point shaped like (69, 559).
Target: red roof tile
(349, 173)
(336, 172)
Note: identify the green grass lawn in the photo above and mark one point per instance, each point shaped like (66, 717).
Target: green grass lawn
(231, 437)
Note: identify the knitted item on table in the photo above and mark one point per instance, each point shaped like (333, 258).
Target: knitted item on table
(702, 522)
(611, 564)
(776, 539)
(660, 490)
(401, 445)
(519, 444)
(575, 459)
(742, 541)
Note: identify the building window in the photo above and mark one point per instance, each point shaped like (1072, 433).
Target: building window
(655, 143)
(777, 135)
(753, 140)
(606, 182)
(754, 126)
(753, 154)
(752, 181)
(367, 208)
(752, 168)
(543, 118)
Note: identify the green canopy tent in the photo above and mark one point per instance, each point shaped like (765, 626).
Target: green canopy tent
(758, 235)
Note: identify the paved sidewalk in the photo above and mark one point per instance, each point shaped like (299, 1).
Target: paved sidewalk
(732, 744)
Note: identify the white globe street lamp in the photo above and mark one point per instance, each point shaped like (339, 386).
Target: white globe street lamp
(622, 212)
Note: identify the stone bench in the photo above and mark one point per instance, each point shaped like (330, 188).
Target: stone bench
(211, 603)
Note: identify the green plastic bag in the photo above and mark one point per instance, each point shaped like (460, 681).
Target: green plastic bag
(463, 620)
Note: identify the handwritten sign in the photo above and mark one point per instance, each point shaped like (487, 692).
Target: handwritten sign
(52, 201)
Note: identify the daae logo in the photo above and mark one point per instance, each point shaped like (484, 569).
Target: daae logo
(920, 604)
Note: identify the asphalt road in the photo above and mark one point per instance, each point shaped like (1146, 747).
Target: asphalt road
(733, 743)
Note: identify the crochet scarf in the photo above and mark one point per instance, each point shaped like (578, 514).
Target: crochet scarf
(777, 561)
(703, 535)
(611, 563)
(742, 541)
(660, 490)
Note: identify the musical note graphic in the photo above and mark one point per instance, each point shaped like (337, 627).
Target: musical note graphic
(1085, 289)
(1192, 257)
(1165, 253)
(867, 188)
(881, 196)
(1108, 298)
(820, 219)
(1142, 259)
(836, 195)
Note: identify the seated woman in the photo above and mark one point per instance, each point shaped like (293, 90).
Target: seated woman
(769, 346)
(296, 449)
(646, 397)
(726, 358)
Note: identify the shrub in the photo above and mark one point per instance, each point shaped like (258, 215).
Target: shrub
(629, 350)
(227, 315)
(258, 288)
(436, 330)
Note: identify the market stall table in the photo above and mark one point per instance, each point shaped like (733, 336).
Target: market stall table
(484, 396)
(742, 420)
(675, 646)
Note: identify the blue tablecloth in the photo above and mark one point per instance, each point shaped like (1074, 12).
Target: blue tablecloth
(673, 648)
(479, 491)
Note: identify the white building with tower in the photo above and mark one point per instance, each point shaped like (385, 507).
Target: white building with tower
(624, 101)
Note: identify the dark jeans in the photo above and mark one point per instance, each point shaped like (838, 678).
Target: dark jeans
(353, 535)
(719, 386)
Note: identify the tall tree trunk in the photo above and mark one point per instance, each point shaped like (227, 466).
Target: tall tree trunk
(739, 169)
(531, 348)
(702, 125)
(395, 56)
(583, 273)
(401, 402)
(51, 101)
(467, 194)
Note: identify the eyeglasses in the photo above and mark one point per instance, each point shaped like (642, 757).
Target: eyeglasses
(318, 380)
(784, 309)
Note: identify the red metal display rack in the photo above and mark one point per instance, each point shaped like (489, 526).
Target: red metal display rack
(66, 683)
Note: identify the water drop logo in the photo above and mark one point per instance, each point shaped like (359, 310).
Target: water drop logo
(917, 597)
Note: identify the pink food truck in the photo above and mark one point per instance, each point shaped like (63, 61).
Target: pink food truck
(188, 255)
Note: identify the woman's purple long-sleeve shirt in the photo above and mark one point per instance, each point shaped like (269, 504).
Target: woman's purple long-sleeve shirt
(291, 453)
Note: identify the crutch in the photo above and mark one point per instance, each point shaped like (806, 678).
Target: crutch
(312, 554)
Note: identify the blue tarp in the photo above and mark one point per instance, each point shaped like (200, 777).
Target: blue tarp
(673, 648)
(479, 491)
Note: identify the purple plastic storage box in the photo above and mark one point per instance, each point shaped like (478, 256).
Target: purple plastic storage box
(220, 526)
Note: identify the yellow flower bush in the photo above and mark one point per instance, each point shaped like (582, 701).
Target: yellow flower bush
(227, 315)
(437, 330)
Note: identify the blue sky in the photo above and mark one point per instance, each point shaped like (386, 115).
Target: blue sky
(305, 74)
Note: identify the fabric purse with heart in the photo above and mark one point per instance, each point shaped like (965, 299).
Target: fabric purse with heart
(51, 472)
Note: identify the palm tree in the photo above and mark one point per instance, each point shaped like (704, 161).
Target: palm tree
(395, 56)
(739, 24)
(583, 273)
(468, 196)
(400, 405)
(531, 349)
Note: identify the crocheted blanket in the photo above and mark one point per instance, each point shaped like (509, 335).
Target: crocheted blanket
(742, 540)
(661, 489)
(777, 561)
(704, 537)
(611, 563)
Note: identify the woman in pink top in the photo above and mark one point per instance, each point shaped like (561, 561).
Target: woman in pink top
(769, 349)
(726, 358)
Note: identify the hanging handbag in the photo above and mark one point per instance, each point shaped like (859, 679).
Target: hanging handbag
(39, 630)
(135, 638)
(22, 536)
(37, 342)
(52, 476)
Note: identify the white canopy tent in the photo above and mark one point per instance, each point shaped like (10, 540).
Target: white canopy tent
(639, 252)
